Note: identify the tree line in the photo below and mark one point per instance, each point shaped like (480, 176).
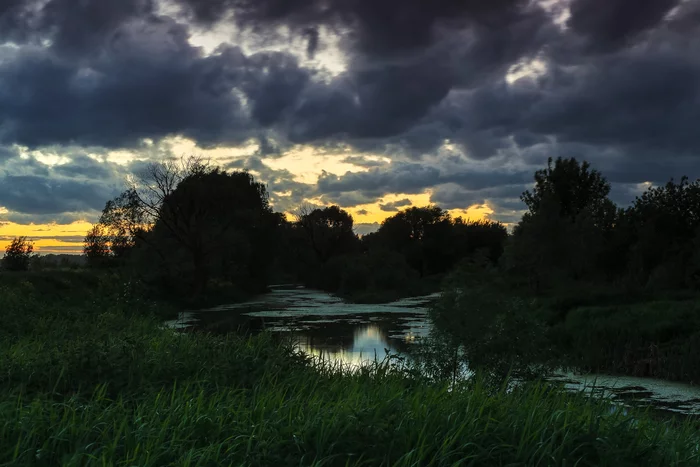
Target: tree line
(573, 232)
(188, 226)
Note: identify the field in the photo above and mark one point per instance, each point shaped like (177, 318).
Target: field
(91, 378)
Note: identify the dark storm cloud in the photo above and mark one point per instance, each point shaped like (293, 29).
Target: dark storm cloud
(405, 178)
(403, 57)
(372, 102)
(619, 86)
(413, 178)
(274, 85)
(77, 27)
(150, 84)
(455, 197)
(82, 166)
(7, 152)
(348, 199)
(285, 192)
(395, 205)
(378, 27)
(610, 24)
(646, 99)
(29, 194)
(362, 161)
(116, 73)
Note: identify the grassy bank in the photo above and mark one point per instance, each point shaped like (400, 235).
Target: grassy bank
(589, 327)
(109, 386)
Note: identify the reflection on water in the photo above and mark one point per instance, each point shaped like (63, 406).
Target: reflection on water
(663, 395)
(321, 324)
(352, 334)
(368, 343)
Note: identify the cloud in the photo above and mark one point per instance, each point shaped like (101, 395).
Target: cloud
(466, 98)
(39, 195)
(60, 238)
(452, 196)
(64, 218)
(366, 228)
(286, 194)
(362, 161)
(414, 178)
(610, 24)
(395, 205)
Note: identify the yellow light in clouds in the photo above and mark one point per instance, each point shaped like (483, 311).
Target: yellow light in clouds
(307, 164)
(185, 147)
(50, 159)
(473, 213)
(375, 214)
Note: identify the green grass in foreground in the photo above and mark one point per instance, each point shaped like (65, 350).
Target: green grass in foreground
(85, 387)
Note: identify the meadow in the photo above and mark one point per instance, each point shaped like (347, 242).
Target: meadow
(88, 376)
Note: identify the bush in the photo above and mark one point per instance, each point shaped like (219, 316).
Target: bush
(18, 255)
(499, 334)
(658, 338)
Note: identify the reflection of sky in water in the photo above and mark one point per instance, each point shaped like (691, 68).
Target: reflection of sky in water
(324, 326)
(369, 342)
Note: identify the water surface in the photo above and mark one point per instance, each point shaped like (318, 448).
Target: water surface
(325, 326)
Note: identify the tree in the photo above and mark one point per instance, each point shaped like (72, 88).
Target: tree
(329, 231)
(419, 234)
(18, 254)
(193, 222)
(96, 246)
(574, 187)
(664, 222)
(130, 217)
(569, 222)
(472, 236)
(220, 221)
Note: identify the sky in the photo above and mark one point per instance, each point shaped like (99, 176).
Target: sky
(372, 105)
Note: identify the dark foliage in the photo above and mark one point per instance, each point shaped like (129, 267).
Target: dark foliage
(18, 255)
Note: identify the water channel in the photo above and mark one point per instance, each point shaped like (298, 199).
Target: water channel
(325, 326)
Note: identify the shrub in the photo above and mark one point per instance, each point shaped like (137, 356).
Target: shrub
(18, 254)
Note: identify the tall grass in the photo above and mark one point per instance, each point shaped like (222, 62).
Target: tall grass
(332, 420)
(665, 334)
(80, 386)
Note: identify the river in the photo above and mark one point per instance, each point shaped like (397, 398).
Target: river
(325, 326)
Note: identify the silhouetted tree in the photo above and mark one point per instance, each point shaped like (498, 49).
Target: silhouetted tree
(569, 222)
(328, 231)
(472, 236)
(574, 187)
(189, 221)
(18, 254)
(417, 233)
(664, 225)
(96, 246)
(221, 221)
(129, 217)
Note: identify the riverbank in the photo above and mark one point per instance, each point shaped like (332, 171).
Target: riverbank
(373, 295)
(590, 328)
(101, 382)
